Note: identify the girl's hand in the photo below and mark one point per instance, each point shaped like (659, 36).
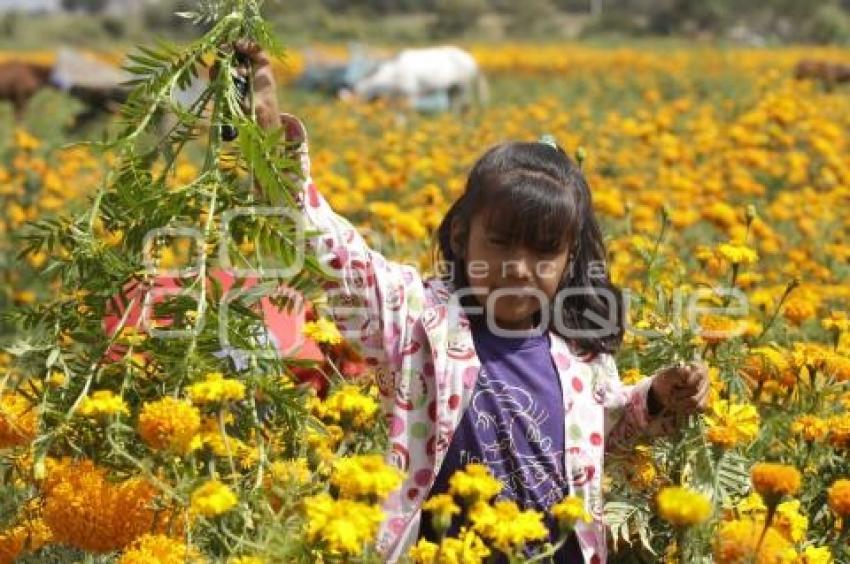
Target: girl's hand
(680, 389)
(263, 89)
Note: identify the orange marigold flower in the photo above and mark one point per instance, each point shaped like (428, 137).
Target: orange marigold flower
(773, 481)
(839, 431)
(28, 536)
(737, 543)
(810, 427)
(170, 424)
(86, 510)
(838, 497)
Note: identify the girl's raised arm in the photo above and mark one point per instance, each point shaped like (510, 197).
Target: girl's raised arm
(627, 416)
(372, 300)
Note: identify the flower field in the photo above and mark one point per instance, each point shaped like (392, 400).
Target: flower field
(719, 180)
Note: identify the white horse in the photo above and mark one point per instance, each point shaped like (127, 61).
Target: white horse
(418, 75)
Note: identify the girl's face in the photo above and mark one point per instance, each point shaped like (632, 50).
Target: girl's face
(511, 281)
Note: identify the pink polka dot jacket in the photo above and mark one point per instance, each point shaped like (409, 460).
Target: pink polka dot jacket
(417, 337)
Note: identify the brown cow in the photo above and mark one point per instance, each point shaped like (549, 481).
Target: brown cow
(19, 81)
(827, 72)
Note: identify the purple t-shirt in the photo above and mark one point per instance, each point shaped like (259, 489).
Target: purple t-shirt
(515, 425)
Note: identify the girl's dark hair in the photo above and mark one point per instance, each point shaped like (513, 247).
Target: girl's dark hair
(533, 194)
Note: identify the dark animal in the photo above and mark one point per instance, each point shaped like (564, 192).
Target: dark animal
(826, 72)
(19, 81)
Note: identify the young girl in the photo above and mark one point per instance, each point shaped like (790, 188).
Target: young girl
(505, 358)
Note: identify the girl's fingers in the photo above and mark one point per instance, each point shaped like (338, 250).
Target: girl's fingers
(252, 51)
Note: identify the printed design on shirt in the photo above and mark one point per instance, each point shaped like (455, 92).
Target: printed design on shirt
(508, 422)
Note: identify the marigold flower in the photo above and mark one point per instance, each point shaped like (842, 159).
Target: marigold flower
(810, 427)
(343, 526)
(170, 424)
(816, 555)
(736, 542)
(103, 403)
(441, 507)
(506, 526)
(18, 420)
(798, 310)
(29, 536)
(737, 254)
(423, 552)
(718, 328)
(365, 476)
(347, 405)
(839, 431)
(731, 424)
(213, 498)
(773, 481)
(474, 483)
(683, 507)
(293, 471)
(215, 388)
(322, 331)
(160, 549)
(569, 511)
(838, 498)
(466, 548)
(87, 511)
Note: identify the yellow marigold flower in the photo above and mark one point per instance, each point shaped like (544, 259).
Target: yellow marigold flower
(86, 510)
(322, 331)
(103, 403)
(474, 483)
(213, 498)
(731, 424)
(466, 548)
(158, 549)
(506, 526)
(810, 427)
(170, 424)
(215, 388)
(56, 379)
(683, 507)
(26, 142)
(816, 555)
(423, 552)
(343, 526)
(766, 362)
(631, 376)
(718, 328)
(640, 469)
(442, 504)
(737, 254)
(365, 476)
(18, 420)
(773, 481)
(838, 366)
(569, 511)
(790, 522)
(838, 498)
(347, 405)
(441, 507)
(293, 471)
(736, 542)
